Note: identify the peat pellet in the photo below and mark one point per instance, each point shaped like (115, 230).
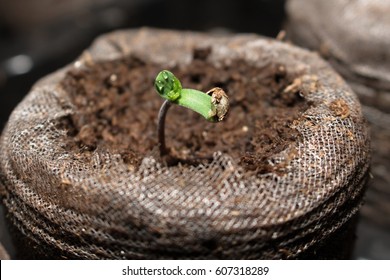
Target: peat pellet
(281, 177)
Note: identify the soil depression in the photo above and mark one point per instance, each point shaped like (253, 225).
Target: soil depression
(116, 108)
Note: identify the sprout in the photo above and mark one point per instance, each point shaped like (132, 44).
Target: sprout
(212, 105)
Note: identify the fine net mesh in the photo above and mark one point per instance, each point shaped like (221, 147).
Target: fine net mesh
(70, 203)
(354, 36)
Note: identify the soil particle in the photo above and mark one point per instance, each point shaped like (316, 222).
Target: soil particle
(340, 108)
(117, 107)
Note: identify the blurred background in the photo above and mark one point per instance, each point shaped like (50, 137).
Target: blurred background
(39, 36)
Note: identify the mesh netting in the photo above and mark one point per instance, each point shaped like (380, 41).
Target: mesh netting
(65, 203)
(354, 36)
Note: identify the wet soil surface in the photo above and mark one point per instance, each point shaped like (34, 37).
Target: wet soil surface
(117, 107)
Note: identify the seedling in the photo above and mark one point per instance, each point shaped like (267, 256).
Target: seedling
(212, 105)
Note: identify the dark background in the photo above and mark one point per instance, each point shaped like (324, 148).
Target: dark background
(40, 36)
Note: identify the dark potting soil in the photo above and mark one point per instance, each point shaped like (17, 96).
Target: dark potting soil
(117, 107)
